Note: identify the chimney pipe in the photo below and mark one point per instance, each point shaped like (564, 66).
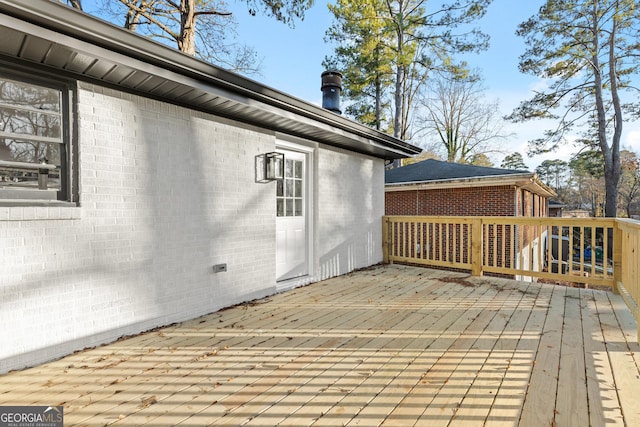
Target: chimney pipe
(331, 88)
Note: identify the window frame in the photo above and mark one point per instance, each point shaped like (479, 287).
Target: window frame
(67, 194)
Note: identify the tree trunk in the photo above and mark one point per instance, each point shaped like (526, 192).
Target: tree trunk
(611, 183)
(400, 75)
(133, 17)
(397, 117)
(187, 37)
(378, 83)
(612, 177)
(452, 146)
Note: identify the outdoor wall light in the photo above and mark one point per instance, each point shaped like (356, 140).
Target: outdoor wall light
(273, 166)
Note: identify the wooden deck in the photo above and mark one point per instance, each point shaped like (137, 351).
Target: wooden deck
(393, 345)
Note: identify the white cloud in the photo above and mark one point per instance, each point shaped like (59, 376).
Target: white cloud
(539, 85)
(631, 138)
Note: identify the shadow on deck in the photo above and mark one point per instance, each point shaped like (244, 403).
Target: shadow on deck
(392, 345)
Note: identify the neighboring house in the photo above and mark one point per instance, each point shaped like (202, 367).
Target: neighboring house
(433, 187)
(556, 209)
(133, 192)
(576, 213)
(437, 188)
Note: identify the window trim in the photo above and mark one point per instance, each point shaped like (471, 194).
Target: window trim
(67, 195)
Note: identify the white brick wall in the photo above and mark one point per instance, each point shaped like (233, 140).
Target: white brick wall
(165, 193)
(350, 208)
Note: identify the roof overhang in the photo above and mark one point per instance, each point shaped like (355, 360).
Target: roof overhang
(51, 35)
(528, 181)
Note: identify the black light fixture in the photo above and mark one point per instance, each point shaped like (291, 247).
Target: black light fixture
(273, 166)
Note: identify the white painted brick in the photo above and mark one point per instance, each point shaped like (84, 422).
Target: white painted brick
(165, 193)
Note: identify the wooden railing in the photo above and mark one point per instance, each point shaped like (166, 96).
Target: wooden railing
(628, 274)
(591, 251)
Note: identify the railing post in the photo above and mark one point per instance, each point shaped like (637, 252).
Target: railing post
(617, 256)
(476, 246)
(385, 240)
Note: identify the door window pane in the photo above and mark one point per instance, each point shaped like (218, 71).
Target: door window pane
(298, 170)
(288, 170)
(289, 184)
(280, 188)
(290, 190)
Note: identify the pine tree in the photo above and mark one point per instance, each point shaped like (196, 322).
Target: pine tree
(386, 49)
(587, 49)
(513, 161)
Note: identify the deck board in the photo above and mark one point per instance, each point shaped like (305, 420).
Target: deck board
(392, 345)
(621, 357)
(507, 407)
(495, 356)
(604, 408)
(572, 382)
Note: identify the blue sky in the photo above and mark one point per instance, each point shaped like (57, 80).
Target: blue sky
(292, 57)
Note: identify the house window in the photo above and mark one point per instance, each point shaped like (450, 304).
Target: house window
(289, 196)
(34, 134)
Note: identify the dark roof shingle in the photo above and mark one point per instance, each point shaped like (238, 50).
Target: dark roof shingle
(436, 170)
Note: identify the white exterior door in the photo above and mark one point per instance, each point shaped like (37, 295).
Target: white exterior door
(292, 258)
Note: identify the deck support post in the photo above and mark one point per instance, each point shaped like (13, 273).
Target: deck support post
(385, 240)
(617, 257)
(476, 247)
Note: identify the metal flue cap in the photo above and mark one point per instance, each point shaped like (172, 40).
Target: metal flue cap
(331, 88)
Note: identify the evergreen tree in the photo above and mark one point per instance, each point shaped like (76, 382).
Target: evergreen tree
(386, 48)
(587, 49)
(587, 180)
(513, 161)
(554, 173)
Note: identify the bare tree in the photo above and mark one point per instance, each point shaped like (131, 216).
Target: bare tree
(203, 28)
(76, 4)
(629, 188)
(176, 20)
(387, 48)
(458, 116)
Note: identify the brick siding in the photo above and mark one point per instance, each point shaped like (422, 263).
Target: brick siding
(469, 201)
(472, 201)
